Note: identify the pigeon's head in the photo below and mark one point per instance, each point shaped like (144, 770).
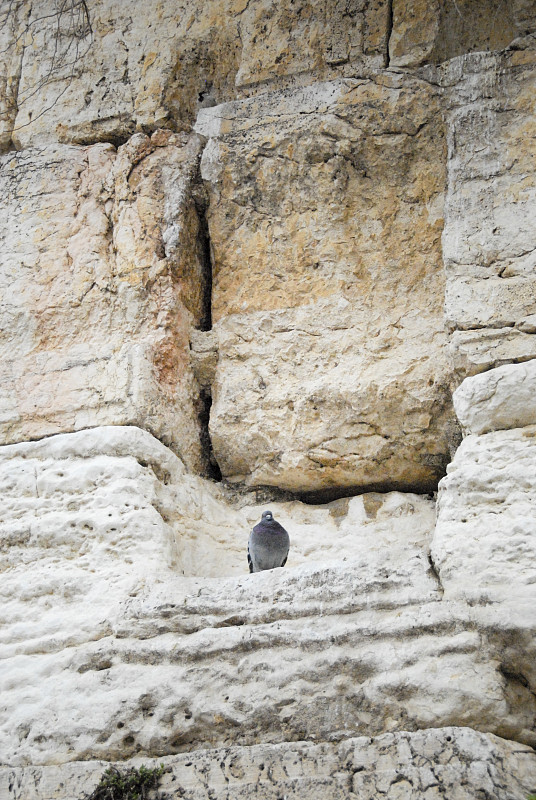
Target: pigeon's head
(267, 516)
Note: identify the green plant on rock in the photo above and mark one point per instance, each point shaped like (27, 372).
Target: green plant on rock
(129, 784)
(531, 797)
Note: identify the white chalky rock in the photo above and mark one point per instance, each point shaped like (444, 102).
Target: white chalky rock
(457, 763)
(130, 624)
(499, 399)
(489, 242)
(484, 543)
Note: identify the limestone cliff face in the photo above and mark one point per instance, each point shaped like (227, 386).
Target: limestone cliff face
(259, 252)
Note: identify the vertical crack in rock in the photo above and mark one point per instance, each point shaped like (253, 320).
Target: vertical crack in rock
(203, 345)
(205, 403)
(387, 58)
(203, 238)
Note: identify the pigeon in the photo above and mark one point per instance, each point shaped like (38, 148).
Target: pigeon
(268, 544)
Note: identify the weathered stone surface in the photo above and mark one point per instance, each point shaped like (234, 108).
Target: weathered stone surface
(484, 544)
(482, 349)
(332, 369)
(204, 356)
(129, 626)
(432, 31)
(13, 17)
(489, 243)
(457, 763)
(145, 71)
(128, 74)
(499, 399)
(102, 280)
(286, 42)
(109, 651)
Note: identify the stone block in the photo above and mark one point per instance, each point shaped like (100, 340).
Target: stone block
(325, 221)
(483, 544)
(488, 241)
(499, 399)
(102, 281)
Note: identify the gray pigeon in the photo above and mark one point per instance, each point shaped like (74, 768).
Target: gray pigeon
(268, 544)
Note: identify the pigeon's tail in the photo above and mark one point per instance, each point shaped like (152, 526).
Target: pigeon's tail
(250, 562)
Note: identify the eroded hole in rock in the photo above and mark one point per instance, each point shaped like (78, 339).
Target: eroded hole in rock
(332, 494)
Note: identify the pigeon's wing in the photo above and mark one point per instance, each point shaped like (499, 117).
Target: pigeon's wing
(286, 554)
(250, 562)
(284, 533)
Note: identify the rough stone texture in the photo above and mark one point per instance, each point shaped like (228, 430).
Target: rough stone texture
(483, 545)
(109, 650)
(129, 626)
(432, 31)
(13, 17)
(500, 399)
(484, 348)
(456, 763)
(484, 539)
(285, 41)
(145, 71)
(332, 368)
(102, 280)
(489, 243)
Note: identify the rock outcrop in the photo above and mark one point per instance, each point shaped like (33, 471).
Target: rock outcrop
(268, 254)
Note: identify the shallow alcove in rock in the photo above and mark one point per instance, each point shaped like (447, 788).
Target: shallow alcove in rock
(119, 493)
